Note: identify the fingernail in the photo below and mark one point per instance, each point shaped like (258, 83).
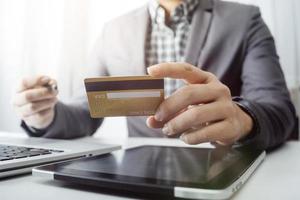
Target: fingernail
(148, 69)
(158, 116)
(165, 129)
(45, 79)
(183, 138)
(152, 69)
(148, 122)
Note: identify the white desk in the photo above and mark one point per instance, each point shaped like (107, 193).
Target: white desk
(277, 178)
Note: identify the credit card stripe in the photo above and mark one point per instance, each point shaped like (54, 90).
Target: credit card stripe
(125, 95)
(124, 85)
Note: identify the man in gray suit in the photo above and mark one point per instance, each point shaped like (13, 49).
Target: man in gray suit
(233, 91)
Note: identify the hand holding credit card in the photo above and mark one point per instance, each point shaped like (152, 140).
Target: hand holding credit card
(124, 95)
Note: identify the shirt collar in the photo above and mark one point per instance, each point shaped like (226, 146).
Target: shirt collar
(183, 11)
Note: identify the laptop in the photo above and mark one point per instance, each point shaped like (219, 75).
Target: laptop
(163, 171)
(20, 155)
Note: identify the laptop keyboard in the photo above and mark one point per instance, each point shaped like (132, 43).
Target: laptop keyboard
(8, 152)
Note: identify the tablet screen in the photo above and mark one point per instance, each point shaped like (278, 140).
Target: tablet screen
(207, 168)
(166, 163)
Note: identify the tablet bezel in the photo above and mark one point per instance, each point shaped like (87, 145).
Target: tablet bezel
(220, 182)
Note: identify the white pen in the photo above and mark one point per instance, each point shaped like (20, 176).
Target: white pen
(51, 87)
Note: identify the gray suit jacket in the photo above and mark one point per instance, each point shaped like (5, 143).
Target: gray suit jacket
(228, 39)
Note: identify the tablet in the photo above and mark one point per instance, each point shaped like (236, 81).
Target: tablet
(182, 172)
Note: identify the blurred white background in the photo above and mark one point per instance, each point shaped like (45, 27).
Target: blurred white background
(54, 37)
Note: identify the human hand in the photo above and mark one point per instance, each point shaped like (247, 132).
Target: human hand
(201, 111)
(34, 101)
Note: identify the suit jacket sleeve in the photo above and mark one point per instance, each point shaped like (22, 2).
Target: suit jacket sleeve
(264, 92)
(73, 119)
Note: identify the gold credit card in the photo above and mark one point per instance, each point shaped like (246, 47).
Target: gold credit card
(124, 95)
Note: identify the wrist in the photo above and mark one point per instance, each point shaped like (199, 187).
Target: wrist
(245, 121)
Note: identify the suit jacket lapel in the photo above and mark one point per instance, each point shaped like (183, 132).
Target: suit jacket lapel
(198, 33)
(199, 29)
(139, 27)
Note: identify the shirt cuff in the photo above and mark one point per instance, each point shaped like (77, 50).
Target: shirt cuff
(245, 106)
(33, 132)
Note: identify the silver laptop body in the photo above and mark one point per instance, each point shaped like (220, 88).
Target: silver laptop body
(43, 151)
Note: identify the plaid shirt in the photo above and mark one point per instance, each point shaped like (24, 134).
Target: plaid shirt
(167, 43)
